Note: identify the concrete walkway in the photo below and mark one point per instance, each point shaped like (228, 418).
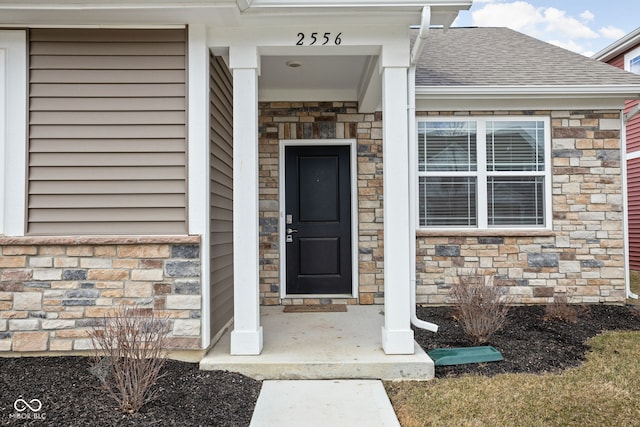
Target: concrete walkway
(323, 403)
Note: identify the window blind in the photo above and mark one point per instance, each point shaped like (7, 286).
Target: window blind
(515, 146)
(448, 201)
(447, 146)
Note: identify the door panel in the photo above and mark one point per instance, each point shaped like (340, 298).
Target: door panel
(311, 263)
(318, 191)
(318, 229)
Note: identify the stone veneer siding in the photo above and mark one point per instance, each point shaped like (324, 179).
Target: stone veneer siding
(582, 257)
(322, 120)
(54, 289)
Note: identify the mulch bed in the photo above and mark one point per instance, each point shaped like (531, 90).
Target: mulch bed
(190, 397)
(69, 395)
(528, 342)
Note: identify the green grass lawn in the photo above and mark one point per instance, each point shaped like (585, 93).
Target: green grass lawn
(604, 391)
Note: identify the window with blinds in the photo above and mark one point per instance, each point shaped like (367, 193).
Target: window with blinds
(483, 173)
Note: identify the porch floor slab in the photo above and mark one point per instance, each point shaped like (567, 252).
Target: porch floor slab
(321, 346)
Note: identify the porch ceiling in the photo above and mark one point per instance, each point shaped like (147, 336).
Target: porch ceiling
(315, 78)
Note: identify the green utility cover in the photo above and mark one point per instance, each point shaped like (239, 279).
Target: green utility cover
(462, 355)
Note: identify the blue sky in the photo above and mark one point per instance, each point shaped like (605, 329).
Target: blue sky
(583, 26)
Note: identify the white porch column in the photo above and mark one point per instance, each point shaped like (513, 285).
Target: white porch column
(397, 336)
(246, 337)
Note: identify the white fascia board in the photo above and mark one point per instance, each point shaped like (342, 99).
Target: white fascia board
(517, 104)
(618, 47)
(507, 92)
(110, 5)
(419, 4)
(109, 13)
(444, 12)
(86, 4)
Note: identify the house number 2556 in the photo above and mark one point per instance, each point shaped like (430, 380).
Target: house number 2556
(320, 39)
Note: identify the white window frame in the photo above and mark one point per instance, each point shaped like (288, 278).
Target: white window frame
(629, 56)
(482, 174)
(13, 134)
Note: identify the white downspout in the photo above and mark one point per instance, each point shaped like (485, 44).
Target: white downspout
(625, 201)
(411, 102)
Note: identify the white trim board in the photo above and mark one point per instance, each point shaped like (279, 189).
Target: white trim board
(632, 155)
(352, 143)
(198, 152)
(13, 134)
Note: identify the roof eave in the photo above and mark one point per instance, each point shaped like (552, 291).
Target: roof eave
(538, 92)
(220, 13)
(358, 4)
(618, 47)
(443, 12)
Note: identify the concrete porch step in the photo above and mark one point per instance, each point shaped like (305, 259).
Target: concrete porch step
(321, 346)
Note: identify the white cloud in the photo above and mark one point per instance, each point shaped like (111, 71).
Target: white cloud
(611, 32)
(557, 21)
(550, 24)
(587, 15)
(519, 16)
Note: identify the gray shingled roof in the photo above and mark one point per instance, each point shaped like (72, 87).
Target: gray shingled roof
(503, 57)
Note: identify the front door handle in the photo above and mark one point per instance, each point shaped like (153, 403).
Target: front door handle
(291, 231)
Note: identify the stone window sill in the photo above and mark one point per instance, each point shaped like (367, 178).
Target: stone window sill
(485, 233)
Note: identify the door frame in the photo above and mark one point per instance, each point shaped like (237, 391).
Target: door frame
(353, 164)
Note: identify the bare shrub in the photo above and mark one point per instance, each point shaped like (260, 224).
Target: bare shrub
(129, 355)
(561, 310)
(480, 306)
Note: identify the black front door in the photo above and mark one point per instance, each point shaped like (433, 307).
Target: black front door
(318, 219)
